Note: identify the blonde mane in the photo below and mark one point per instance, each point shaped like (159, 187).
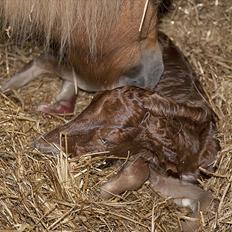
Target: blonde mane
(59, 18)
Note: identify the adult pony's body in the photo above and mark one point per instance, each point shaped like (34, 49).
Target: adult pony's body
(104, 44)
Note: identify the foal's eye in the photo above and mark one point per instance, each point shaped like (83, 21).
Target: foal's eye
(103, 141)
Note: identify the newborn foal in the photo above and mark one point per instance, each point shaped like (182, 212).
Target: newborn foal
(169, 132)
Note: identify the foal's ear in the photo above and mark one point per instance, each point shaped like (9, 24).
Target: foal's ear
(166, 107)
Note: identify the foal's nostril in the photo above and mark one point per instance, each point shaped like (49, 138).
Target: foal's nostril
(36, 143)
(45, 147)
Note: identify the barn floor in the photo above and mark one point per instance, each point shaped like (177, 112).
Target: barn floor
(38, 192)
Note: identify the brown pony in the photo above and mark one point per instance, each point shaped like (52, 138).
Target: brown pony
(169, 132)
(104, 44)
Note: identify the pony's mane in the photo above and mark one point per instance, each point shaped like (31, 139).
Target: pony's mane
(59, 18)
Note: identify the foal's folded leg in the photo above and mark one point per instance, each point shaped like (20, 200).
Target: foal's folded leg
(130, 177)
(184, 194)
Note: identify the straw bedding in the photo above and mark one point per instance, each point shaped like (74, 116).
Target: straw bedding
(42, 193)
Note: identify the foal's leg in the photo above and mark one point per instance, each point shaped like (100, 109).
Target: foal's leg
(184, 194)
(42, 65)
(131, 177)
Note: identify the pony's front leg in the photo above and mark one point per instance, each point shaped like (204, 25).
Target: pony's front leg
(43, 65)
